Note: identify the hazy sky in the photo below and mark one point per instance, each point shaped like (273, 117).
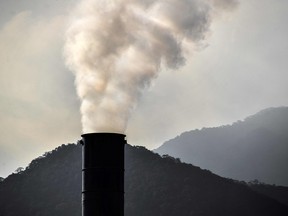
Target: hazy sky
(240, 70)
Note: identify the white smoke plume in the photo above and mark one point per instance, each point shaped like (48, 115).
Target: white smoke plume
(117, 47)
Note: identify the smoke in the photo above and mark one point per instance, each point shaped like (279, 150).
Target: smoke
(116, 48)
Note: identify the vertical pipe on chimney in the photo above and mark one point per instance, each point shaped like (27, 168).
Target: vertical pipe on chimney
(103, 174)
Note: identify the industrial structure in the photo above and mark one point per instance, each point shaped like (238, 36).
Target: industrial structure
(103, 174)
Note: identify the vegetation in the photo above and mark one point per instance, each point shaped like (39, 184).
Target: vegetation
(154, 185)
(255, 148)
(279, 193)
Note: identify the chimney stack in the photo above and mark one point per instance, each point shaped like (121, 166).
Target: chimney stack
(103, 174)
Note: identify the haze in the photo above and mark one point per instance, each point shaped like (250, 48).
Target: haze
(241, 69)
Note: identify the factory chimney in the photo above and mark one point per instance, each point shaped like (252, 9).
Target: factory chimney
(103, 174)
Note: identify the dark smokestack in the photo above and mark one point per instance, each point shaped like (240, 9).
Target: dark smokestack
(103, 174)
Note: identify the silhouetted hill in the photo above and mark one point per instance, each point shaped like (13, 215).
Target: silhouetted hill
(256, 148)
(279, 193)
(155, 186)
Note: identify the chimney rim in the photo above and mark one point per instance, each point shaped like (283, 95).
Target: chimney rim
(102, 134)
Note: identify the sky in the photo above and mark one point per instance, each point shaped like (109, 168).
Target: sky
(240, 69)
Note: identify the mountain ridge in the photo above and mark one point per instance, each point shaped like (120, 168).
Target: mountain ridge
(154, 185)
(255, 148)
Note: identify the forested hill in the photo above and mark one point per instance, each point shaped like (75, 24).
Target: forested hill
(154, 186)
(256, 148)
